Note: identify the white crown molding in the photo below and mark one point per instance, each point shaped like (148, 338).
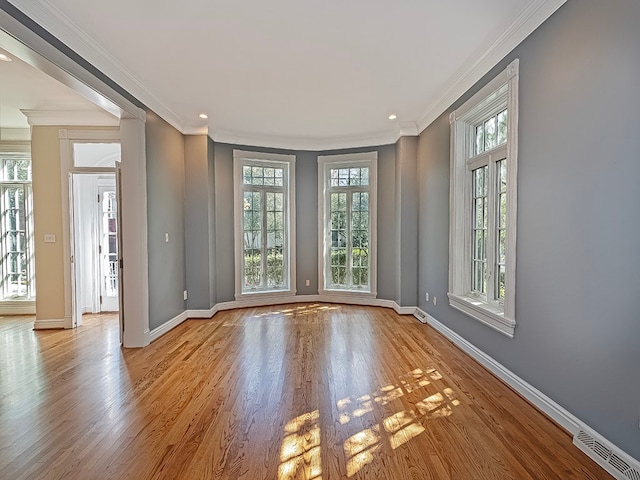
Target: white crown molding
(57, 23)
(190, 130)
(408, 129)
(90, 118)
(529, 19)
(15, 134)
(301, 143)
(44, 13)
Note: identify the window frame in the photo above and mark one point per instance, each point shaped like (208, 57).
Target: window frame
(498, 94)
(325, 164)
(240, 159)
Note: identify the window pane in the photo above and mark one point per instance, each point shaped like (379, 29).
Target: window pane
(490, 133)
(364, 178)
(252, 239)
(479, 229)
(479, 139)
(502, 127)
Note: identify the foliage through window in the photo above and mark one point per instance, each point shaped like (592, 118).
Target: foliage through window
(16, 227)
(263, 213)
(347, 183)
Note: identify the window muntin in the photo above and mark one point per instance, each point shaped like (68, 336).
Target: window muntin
(347, 230)
(483, 203)
(264, 222)
(16, 227)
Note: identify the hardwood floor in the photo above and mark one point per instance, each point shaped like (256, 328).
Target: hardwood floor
(308, 391)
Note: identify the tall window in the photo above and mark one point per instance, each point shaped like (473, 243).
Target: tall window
(16, 227)
(347, 196)
(483, 203)
(264, 222)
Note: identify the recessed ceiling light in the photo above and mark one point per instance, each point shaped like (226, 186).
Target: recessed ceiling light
(392, 117)
(4, 58)
(203, 116)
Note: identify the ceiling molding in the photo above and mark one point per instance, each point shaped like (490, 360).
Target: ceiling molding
(96, 118)
(311, 144)
(57, 23)
(196, 130)
(15, 134)
(64, 29)
(408, 129)
(529, 19)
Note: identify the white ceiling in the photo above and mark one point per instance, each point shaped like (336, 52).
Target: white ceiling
(294, 73)
(23, 87)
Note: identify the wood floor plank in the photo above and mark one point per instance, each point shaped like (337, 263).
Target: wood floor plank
(307, 391)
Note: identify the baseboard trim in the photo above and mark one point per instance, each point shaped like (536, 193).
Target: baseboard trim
(167, 326)
(555, 412)
(326, 298)
(48, 324)
(562, 417)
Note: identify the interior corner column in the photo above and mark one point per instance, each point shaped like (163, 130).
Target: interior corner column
(135, 274)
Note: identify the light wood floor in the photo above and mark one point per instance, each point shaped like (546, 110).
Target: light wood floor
(311, 391)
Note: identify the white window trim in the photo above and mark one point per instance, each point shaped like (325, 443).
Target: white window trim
(325, 163)
(503, 88)
(238, 157)
(22, 305)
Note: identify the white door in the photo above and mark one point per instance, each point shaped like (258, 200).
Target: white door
(108, 249)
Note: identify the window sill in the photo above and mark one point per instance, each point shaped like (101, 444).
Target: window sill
(336, 292)
(484, 313)
(256, 294)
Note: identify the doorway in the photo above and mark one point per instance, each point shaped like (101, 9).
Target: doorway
(95, 228)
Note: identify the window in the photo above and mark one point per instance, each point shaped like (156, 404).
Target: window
(347, 201)
(483, 203)
(16, 227)
(264, 223)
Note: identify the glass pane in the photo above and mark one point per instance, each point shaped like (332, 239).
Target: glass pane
(96, 154)
(246, 175)
(502, 127)
(364, 178)
(501, 283)
(490, 129)
(479, 139)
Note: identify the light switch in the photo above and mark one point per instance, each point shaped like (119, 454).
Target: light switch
(49, 238)
(166, 237)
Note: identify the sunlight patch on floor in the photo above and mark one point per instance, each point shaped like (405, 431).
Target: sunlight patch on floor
(300, 450)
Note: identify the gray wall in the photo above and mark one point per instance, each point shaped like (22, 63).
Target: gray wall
(578, 261)
(406, 221)
(306, 218)
(196, 206)
(211, 181)
(165, 214)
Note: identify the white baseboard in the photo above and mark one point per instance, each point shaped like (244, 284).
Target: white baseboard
(533, 395)
(46, 324)
(557, 413)
(205, 314)
(326, 298)
(165, 327)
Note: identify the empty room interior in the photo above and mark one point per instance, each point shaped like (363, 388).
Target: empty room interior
(319, 240)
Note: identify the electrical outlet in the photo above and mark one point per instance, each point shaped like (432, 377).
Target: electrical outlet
(307, 283)
(185, 295)
(426, 296)
(435, 301)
